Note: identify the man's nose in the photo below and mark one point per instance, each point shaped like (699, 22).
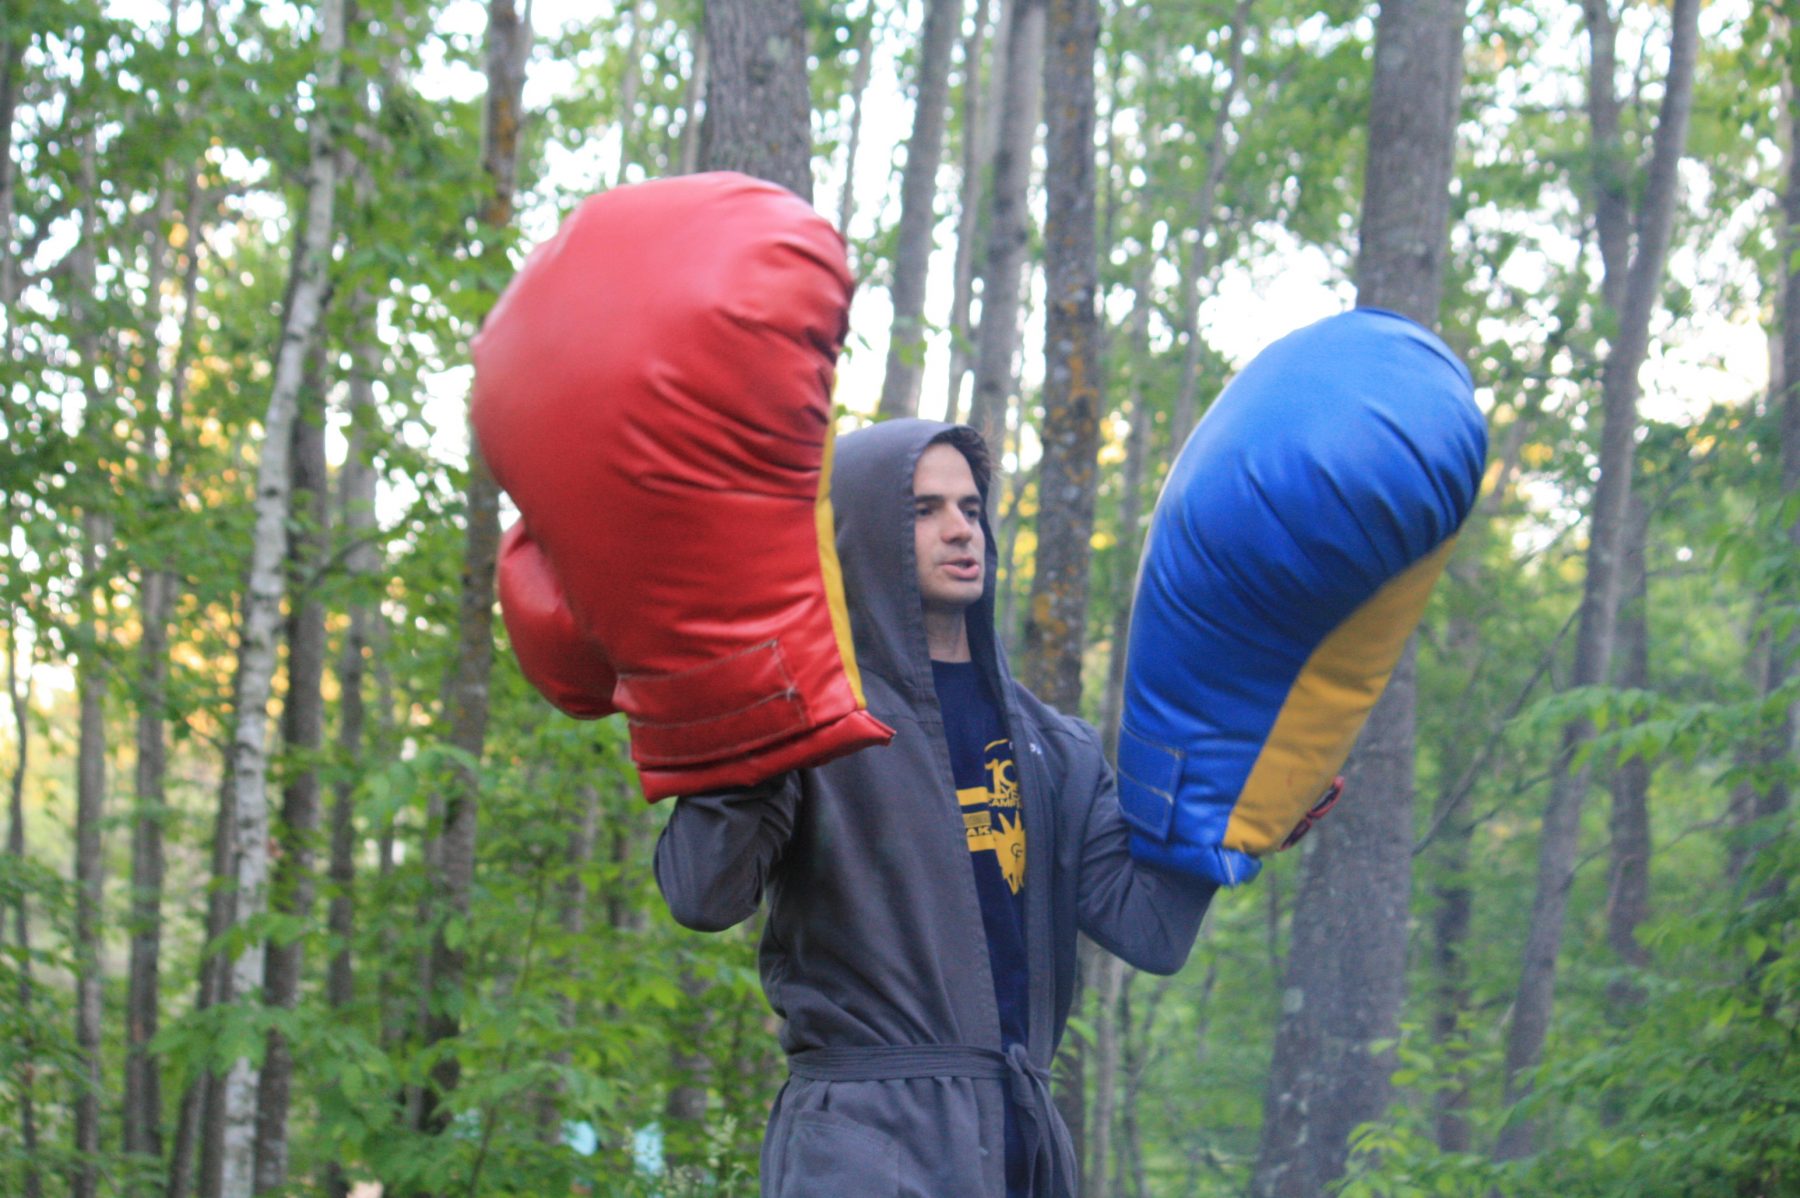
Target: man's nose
(958, 527)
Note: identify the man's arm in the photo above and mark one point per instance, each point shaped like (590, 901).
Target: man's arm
(715, 853)
(1139, 913)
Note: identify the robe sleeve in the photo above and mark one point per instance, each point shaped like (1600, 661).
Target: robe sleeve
(715, 854)
(1146, 916)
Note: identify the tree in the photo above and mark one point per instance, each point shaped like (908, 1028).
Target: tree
(980, 130)
(918, 209)
(998, 338)
(302, 735)
(1631, 284)
(758, 106)
(1346, 968)
(1199, 261)
(16, 695)
(266, 589)
(1056, 623)
(92, 635)
(451, 856)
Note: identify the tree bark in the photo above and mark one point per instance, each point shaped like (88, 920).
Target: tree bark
(1766, 792)
(90, 876)
(1346, 970)
(1628, 881)
(1782, 662)
(1056, 624)
(693, 122)
(357, 480)
(356, 520)
(1068, 474)
(12, 54)
(1131, 1063)
(451, 860)
(266, 590)
(980, 131)
(1001, 278)
(1199, 264)
(918, 210)
(758, 106)
(302, 734)
(26, 1094)
(573, 919)
(143, 1071)
(90, 683)
(1131, 506)
(200, 1120)
(1108, 984)
(1637, 297)
(859, 86)
(629, 85)
(143, 1074)
(1453, 910)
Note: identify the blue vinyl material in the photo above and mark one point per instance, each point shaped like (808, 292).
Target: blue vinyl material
(1340, 456)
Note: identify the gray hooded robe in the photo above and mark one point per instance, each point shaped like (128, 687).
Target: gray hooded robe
(874, 952)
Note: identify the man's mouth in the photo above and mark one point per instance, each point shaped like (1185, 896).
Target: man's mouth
(967, 569)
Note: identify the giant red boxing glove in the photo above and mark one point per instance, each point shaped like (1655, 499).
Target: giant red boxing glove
(654, 392)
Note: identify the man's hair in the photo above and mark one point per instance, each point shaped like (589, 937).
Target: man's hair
(970, 444)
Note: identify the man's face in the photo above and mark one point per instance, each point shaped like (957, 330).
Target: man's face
(947, 539)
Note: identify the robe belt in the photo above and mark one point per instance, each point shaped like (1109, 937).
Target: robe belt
(1028, 1085)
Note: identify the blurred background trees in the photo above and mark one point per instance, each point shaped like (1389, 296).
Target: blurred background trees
(305, 890)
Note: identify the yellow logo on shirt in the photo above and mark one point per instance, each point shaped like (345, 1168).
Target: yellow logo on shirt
(992, 818)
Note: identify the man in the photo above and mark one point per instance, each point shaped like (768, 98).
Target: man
(924, 896)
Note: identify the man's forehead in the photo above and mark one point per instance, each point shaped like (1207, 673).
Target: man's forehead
(942, 471)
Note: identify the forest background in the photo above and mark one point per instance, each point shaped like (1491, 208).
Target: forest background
(305, 890)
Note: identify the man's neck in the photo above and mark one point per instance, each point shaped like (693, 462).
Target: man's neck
(946, 635)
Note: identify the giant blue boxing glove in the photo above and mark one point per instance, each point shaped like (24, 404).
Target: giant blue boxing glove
(1291, 554)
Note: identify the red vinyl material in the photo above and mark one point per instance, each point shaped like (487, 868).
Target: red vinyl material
(654, 392)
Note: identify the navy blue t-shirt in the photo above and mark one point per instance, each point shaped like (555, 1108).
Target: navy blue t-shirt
(987, 789)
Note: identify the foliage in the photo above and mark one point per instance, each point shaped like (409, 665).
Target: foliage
(171, 147)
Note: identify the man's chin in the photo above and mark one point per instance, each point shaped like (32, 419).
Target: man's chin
(954, 597)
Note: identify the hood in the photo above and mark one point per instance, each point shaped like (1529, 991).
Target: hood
(871, 496)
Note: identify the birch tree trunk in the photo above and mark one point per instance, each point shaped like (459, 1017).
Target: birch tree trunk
(1001, 278)
(1634, 287)
(918, 210)
(1346, 970)
(758, 102)
(452, 858)
(266, 589)
(302, 734)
